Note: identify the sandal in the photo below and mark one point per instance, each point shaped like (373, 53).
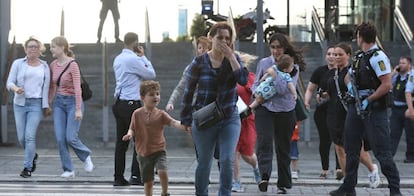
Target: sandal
(339, 174)
(323, 176)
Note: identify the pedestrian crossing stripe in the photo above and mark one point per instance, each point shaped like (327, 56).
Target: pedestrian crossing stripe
(88, 189)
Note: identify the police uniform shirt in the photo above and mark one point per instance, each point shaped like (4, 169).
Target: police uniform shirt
(409, 87)
(394, 83)
(381, 65)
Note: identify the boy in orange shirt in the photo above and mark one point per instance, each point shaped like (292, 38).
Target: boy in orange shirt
(146, 128)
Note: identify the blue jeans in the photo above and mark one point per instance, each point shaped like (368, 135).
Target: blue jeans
(226, 134)
(294, 150)
(375, 127)
(27, 120)
(66, 131)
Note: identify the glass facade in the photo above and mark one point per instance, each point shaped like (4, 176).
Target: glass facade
(340, 17)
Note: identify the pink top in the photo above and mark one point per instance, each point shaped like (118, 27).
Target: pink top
(70, 82)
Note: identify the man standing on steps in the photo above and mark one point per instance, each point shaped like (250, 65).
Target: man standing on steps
(106, 6)
(130, 69)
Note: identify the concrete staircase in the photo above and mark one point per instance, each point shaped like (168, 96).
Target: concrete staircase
(169, 60)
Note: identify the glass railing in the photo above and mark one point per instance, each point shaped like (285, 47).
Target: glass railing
(317, 25)
(403, 26)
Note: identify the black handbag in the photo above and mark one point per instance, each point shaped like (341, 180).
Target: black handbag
(208, 115)
(300, 109)
(86, 90)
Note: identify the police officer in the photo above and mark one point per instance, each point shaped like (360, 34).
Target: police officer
(404, 88)
(369, 81)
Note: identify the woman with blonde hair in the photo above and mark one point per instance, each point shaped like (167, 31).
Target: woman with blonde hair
(65, 91)
(29, 79)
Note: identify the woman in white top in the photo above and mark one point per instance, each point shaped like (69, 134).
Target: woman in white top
(29, 79)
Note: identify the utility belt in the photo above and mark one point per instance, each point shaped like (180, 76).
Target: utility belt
(384, 102)
(130, 102)
(400, 107)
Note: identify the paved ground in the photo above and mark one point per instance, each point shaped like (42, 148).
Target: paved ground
(181, 163)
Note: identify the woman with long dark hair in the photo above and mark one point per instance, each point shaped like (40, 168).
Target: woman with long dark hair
(275, 119)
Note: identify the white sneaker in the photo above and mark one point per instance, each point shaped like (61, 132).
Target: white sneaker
(236, 187)
(374, 178)
(68, 174)
(88, 165)
(294, 175)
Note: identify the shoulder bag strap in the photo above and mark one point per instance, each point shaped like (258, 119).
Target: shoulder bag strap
(66, 68)
(338, 90)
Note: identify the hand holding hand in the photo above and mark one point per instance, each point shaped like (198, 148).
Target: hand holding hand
(188, 129)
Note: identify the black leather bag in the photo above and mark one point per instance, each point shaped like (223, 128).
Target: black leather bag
(208, 116)
(86, 90)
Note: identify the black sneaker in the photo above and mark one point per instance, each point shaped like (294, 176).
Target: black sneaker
(341, 192)
(281, 190)
(408, 160)
(134, 180)
(263, 185)
(26, 173)
(34, 162)
(121, 182)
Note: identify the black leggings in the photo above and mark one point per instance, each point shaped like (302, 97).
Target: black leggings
(324, 138)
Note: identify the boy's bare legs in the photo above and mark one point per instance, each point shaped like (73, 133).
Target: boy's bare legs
(294, 165)
(148, 188)
(163, 181)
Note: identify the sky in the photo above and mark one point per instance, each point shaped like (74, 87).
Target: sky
(41, 18)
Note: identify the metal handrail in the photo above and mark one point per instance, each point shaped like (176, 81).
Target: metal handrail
(317, 24)
(403, 26)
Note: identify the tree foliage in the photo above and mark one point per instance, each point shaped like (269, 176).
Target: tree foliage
(198, 27)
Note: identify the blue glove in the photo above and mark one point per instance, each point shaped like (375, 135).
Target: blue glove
(349, 86)
(364, 104)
